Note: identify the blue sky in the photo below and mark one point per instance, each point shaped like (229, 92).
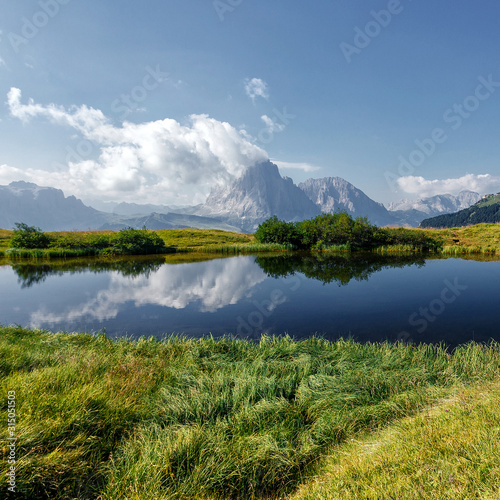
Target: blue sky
(158, 101)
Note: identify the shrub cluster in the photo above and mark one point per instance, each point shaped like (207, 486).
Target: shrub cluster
(339, 229)
(126, 242)
(137, 241)
(29, 237)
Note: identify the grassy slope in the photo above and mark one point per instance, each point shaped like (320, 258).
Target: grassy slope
(482, 238)
(451, 451)
(177, 239)
(196, 238)
(490, 200)
(208, 419)
(5, 237)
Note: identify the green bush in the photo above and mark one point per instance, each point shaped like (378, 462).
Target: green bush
(29, 237)
(274, 230)
(340, 230)
(335, 229)
(137, 241)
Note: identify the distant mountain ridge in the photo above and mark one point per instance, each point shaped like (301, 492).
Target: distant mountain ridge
(487, 210)
(48, 209)
(413, 212)
(170, 221)
(45, 207)
(256, 195)
(440, 203)
(136, 209)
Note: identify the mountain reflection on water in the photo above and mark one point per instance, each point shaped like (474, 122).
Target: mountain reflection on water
(340, 269)
(366, 296)
(30, 274)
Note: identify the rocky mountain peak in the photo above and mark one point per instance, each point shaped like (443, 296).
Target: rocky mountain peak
(257, 195)
(334, 194)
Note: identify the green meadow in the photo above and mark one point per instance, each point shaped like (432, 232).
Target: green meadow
(230, 419)
(482, 239)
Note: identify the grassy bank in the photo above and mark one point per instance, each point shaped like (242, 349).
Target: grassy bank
(478, 239)
(210, 418)
(450, 451)
(99, 243)
(483, 239)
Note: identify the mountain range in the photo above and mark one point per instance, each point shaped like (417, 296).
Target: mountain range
(487, 210)
(412, 212)
(257, 195)
(240, 206)
(45, 207)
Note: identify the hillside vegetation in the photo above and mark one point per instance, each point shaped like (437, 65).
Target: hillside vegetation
(485, 211)
(479, 239)
(213, 419)
(341, 231)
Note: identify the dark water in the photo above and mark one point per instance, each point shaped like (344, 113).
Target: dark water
(365, 297)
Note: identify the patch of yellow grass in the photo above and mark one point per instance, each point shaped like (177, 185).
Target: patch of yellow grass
(195, 238)
(485, 237)
(449, 452)
(5, 237)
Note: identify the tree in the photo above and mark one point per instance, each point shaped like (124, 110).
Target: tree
(29, 237)
(274, 230)
(138, 241)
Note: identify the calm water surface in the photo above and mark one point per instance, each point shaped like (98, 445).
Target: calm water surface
(365, 297)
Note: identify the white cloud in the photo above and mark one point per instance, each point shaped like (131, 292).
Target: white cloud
(211, 285)
(256, 87)
(161, 161)
(481, 183)
(271, 125)
(306, 167)
(2, 63)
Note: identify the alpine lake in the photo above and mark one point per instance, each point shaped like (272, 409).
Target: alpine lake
(366, 297)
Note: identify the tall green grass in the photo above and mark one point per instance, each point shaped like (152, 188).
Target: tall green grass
(400, 248)
(244, 248)
(51, 253)
(467, 250)
(449, 451)
(187, 418)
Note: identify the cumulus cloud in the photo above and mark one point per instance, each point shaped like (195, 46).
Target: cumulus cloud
(155, 160)
(306, 167)
(481, 183)
(256, 87)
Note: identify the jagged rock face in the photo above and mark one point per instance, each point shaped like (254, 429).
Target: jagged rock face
(44, 207)
(467, 198)
(440, 204)
(258, 194)
(334, 194)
